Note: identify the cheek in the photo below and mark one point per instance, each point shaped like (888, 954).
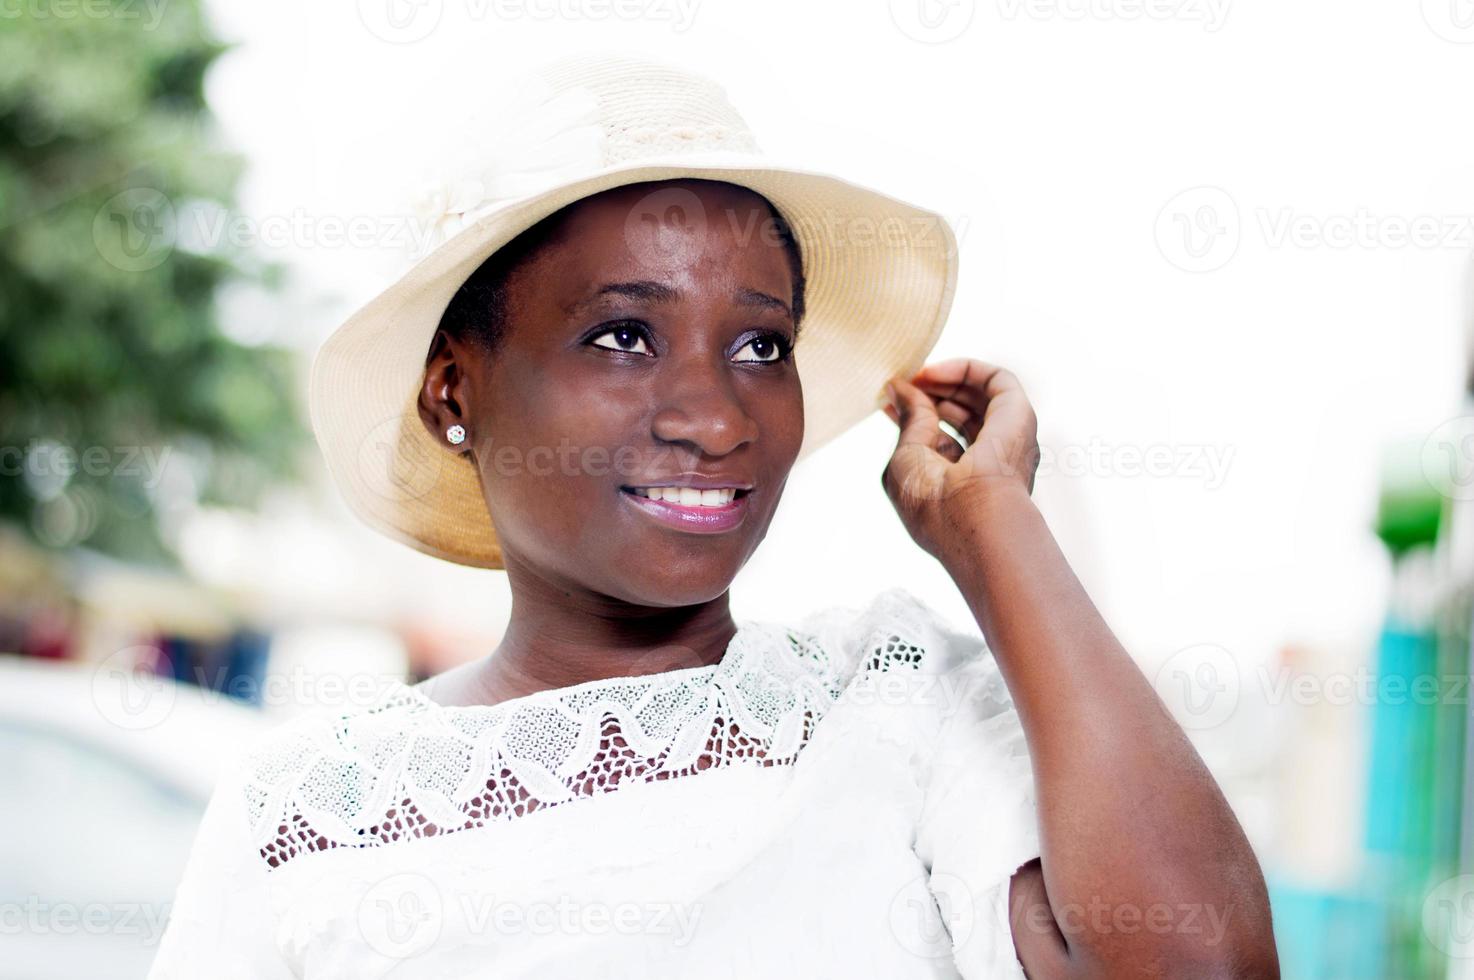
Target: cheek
(550, 476)
(784, 419)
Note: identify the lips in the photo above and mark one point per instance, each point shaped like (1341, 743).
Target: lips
(726, 511)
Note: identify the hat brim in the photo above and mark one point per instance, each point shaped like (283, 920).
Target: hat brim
(881, 275)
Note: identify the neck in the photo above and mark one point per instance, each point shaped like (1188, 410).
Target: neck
(559, 636)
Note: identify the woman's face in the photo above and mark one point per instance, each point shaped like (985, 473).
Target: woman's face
(645, 347)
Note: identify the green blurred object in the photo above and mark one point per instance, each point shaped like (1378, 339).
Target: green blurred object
(120, 398)
(1409, 508)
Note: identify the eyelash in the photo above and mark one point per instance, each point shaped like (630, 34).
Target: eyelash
(785, 348)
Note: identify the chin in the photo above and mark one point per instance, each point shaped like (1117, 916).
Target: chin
(674, 583)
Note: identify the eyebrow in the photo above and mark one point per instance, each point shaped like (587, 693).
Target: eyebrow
(651, 291)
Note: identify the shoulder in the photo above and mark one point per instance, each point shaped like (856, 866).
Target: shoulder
(922, 676)
(340, 727)
(344, 746)
(893, 630)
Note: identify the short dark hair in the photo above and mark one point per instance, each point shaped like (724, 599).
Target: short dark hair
(477, 313)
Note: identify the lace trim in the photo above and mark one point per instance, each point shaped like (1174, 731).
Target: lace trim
(408, 768)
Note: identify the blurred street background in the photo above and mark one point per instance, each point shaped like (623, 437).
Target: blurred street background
(1228, 246)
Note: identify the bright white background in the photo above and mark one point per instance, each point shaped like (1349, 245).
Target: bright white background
(1073, 145)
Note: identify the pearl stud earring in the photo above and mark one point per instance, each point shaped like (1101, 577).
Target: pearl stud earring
(456, 434)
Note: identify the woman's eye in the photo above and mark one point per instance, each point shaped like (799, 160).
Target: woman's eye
(627, 338)
(767, 348)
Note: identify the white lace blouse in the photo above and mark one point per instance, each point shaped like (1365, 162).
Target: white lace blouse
(847, 797)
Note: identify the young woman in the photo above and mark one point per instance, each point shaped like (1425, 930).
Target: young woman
(601, 387)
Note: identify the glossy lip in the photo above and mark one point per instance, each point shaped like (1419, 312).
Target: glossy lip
(697, 520)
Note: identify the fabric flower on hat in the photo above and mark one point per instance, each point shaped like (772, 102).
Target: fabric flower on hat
(522, 143)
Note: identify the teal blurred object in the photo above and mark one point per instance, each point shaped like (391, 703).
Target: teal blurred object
(1325, 936)
(1415, 784)
(1408, 850)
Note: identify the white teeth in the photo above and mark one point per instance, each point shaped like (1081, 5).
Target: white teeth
(689, 496)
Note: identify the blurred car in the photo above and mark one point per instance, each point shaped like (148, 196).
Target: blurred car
(105, 775)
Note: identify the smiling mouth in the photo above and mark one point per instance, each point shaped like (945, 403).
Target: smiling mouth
(711, 510)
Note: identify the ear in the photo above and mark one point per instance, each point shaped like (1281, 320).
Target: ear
(444, 393)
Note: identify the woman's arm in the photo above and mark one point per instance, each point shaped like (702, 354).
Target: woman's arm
(1144, 870)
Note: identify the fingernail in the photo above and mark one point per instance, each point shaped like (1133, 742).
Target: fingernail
(890, 392)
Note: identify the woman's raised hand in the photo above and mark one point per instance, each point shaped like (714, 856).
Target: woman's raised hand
(931, 478)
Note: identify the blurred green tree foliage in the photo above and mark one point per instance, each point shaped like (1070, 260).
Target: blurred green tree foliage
(121, 401)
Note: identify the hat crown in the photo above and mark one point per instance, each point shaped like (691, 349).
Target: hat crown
(571, 119)
(647, 108)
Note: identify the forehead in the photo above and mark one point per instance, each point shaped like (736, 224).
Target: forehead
(687, 233)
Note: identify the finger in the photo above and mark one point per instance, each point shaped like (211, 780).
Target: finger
(964, 418)
(966, 380)
(946, 444)
(913, 473)
(958, 370)
(959, 417)
(948, 447)
(991, 391)
(916, 415)
(950, 412)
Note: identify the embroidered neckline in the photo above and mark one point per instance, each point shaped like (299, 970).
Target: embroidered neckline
(407, 767)
(410, 767)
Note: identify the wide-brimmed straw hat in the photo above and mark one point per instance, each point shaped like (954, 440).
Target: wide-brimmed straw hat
(880, 274)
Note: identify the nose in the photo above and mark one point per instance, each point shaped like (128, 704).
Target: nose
(700, 407)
